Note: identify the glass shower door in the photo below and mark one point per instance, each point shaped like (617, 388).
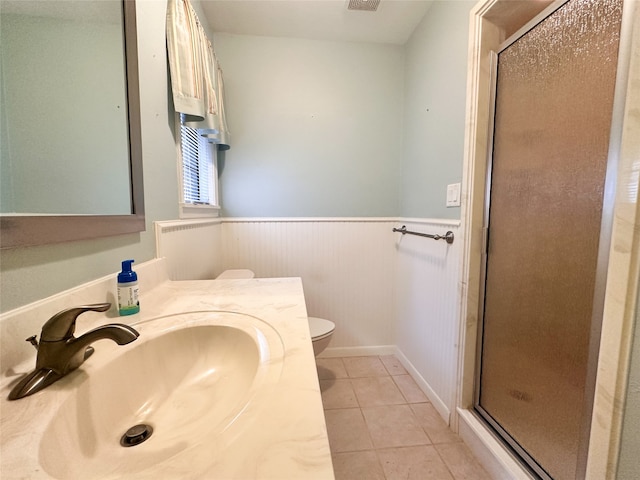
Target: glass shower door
(553, 109)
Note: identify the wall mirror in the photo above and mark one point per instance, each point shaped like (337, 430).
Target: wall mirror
(70, 150)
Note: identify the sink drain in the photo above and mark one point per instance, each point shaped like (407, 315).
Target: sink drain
(136, 435)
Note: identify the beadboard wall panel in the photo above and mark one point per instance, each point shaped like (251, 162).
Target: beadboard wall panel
(386, 292)
(426, 322)
(347, 268)
(201, 259)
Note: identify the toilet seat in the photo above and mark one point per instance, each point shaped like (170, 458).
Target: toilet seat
(241, 273)
(320, 328)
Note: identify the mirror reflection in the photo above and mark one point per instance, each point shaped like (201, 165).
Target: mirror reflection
(63, 103)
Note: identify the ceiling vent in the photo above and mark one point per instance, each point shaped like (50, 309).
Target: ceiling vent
(365, 5)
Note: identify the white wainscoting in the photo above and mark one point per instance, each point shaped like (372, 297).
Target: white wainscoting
(347, 268)
(386, 292)
(201, 258)
(426, 321)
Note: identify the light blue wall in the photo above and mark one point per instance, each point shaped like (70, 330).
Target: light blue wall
(434, 110)
(316, 127)
(345, 129)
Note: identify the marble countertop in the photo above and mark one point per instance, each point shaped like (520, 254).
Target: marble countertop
(287, 438)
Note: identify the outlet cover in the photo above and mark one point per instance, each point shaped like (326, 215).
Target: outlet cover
(453, 195)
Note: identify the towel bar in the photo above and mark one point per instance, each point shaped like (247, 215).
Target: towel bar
(448, 237)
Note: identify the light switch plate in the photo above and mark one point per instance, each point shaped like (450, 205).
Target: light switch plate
(453, 195)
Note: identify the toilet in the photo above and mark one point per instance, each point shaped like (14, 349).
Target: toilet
(236, 274)
(320, 328)
(321, 333)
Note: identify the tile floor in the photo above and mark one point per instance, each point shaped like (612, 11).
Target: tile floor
(381, 426)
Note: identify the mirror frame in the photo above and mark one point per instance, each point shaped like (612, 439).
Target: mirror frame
(30, 230)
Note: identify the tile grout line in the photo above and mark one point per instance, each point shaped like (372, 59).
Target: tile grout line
(377, 450)
(444, 462)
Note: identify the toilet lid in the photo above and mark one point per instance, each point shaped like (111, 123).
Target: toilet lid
(241, 273)
(320, 327)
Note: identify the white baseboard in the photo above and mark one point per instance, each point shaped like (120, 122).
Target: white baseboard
(493, 456)
(358, 351)
(433, 397)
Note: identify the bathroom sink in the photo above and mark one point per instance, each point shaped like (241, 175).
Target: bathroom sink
(190, 378)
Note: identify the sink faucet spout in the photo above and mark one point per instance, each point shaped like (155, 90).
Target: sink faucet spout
(118, 332)
(59, 352)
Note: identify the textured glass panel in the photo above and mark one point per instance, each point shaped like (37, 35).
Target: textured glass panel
(553, 114)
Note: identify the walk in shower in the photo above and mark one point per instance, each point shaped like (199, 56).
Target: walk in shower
(547, 225)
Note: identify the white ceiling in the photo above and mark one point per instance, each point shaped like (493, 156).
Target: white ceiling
(393, 22)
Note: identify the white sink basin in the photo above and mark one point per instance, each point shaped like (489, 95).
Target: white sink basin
(189, 376)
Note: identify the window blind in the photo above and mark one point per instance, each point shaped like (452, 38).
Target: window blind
(197, 167)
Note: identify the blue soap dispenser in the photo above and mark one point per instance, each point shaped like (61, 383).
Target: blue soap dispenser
(128, 302)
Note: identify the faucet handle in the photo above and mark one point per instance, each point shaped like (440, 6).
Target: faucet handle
(33, 341)
(62, 325)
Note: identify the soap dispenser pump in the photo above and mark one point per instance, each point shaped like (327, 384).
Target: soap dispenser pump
(128, 302)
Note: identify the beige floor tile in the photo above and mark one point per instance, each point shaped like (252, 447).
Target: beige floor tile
(411, 438)
(410, 389)
(338, 393)
(413, 463)
(461, 462)
(376, 391)
(364, 367)
(347, 430)
(393, 365)
(394, 426)
(329, 368)
(433, 423)
(357, 465)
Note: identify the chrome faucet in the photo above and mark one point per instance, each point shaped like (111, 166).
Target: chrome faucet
(59, 352)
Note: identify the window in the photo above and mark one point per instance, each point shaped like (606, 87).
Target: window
(199, 174)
